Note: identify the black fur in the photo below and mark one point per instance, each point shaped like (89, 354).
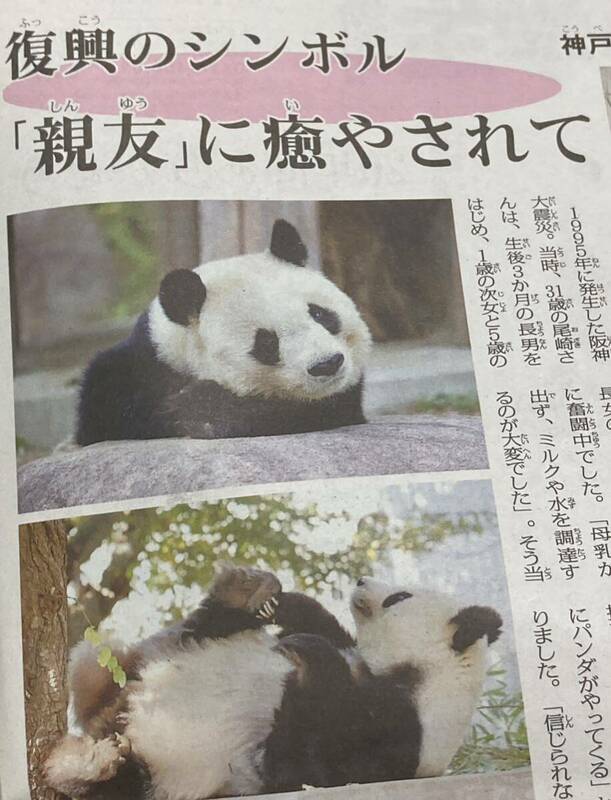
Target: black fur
(266, 348)
(474, 622)
(132, 782)
(325, 317)
(334, 728)
(298, 613)
(286, 244)
(395, 598)
(123, 392)
(213, 620)
(182, 294)
(206, 410)
(128, 393)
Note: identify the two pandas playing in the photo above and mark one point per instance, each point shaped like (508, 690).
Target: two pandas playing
(219, 705)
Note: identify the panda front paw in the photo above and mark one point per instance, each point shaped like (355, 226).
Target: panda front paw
(78, 762)
(267, 612)
(253, 590)
(110, 754)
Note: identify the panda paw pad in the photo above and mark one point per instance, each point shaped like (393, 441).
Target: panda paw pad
(109, 754)
(247, 588)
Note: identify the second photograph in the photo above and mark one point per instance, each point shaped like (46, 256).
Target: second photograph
(274, 643)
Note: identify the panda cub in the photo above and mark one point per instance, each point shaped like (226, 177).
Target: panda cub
(218, 706)
(247, 346)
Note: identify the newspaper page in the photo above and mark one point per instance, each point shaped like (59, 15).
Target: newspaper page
(305, 428)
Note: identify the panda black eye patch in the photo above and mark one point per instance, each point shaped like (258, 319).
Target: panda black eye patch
(325, 317)
(266, 348)
(395, 598)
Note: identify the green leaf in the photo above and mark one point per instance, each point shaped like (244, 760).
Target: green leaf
(104, 656)
(92, 636)
(119, 676)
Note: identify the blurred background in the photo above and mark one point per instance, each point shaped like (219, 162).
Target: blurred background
(130, 573)
(81, 275)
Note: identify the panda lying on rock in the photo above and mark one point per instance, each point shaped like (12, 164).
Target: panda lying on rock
(217, 706)
(246, 346)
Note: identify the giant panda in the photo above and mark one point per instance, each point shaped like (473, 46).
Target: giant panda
(218, 705)
(245, 346)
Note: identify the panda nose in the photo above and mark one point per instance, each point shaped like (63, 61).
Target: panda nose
(328, 366)
(360, 582)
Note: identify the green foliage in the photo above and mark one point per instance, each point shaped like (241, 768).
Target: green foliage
(497, 740)
(27, 450)
(130, 230)
(180, 546)
(447, 403)
(105, 656)
(22, 444)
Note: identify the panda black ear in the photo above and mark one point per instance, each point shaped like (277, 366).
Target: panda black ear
(182, 294)
(474, 622)
(286, 244)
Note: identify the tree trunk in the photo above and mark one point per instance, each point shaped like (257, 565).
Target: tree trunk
(44, 613)
(397, 259)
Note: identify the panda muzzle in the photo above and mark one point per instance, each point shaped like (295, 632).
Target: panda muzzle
(327, 367)
(361, 604)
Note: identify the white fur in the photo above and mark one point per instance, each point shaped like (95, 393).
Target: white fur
(198, 717)
(199, 714)
(261, 291)
(81, 760)
(418, 631)
(223, 694)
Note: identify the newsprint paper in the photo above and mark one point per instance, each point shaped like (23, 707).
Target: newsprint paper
(305, 425)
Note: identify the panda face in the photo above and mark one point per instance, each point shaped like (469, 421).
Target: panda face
(399, 624)
(408, 625)
(422, 640)
(264, 327)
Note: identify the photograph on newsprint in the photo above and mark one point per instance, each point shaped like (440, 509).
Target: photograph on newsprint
(344, 338)
(305, 430)
(261, 644)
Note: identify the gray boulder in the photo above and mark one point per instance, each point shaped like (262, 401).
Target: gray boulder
(113, 471)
